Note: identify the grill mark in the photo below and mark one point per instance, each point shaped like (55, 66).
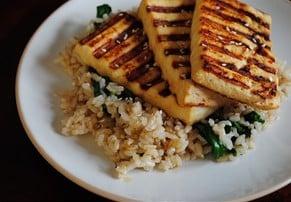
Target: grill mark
(114, 20)
(118, 62)
(164, 9)
(244, 12)
(269, 88)
(215, 25)
(245, 71)
(178, 64)
(134, 28)
(175, 23)
(142, 59)
(262, 66)
(151, 78)
(145, 57)
(216, 62)
(220, 73)
(268, 91)
(221, 50)
(118, 50)
(260, 79)
(262, 51)
(236, 20)
(138, 72)
(177, 51)
(223, 39)
(226, 41)
(174, 37)
(152, 83)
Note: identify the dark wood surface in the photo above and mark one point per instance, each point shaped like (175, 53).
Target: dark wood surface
(25, 175)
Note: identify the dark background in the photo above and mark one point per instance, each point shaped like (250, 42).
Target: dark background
(25, 175)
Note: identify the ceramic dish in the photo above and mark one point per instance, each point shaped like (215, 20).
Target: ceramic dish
(261, 171)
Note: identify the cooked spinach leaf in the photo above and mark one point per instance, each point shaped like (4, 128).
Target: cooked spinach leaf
(107, 79)
(241, 129)
(218, 149)
(96, 88)
(227, 129)
(253, 117)
(103, 9)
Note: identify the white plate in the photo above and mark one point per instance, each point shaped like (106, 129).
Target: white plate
(260, 172)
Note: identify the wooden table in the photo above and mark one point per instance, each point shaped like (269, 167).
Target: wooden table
(25, 175)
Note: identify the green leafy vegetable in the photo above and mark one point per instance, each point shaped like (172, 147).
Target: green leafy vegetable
(98, 91)
(96, 88)
(227, 129)
(103, 9)
(107, 92)
(96, 85)
(218, 149)
(241, 129)
(253, 117)
(107, 79)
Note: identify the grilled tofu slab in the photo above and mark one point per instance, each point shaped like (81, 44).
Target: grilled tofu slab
(167, 24)
(119, 49)
(231, 52)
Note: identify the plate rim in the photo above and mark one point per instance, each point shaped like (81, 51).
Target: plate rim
(65, 172)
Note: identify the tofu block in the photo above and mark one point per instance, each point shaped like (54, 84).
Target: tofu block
(167, 24)
(119, 49)
(231, 52)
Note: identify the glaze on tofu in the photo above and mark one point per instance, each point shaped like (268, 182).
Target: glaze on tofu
(119, 49)
(231, 52)
(167, 24)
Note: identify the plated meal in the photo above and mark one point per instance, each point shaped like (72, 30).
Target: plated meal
(173, 80)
